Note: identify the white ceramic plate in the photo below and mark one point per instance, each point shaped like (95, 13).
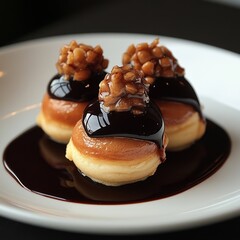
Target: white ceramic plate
(25, 70)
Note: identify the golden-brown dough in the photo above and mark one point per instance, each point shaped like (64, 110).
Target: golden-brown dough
(114, 161)
(183, 124)
(58, 117)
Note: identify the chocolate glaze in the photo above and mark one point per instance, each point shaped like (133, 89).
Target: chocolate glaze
(147, 126)
(174, 89)
(73, 90)
(43, 169)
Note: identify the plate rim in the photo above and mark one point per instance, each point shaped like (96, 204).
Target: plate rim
(118, 230)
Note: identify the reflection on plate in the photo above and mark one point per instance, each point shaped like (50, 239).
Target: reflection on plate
(25, 71)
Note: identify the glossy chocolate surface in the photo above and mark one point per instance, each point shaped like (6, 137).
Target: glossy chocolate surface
(174, 89)
(147, 126)
(73, 90)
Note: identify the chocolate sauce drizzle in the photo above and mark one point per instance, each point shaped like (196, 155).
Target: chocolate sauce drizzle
(73, 90)
(174, 89)
(147, 126)
(44, 170)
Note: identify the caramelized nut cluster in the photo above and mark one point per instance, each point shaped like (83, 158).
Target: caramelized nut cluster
(80, 61)
(152, 60)
(124, 89)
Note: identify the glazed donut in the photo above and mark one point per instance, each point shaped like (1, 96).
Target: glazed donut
(80, 70)
(121, 138)
(169, 89)
(113, 161)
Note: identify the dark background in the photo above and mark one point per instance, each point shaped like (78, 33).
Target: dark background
(201, 21)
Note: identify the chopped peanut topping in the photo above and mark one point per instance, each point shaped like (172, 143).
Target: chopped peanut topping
(124, 89)
(153, 60)
(80, 61)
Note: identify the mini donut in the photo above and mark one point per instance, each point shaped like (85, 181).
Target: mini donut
(113, 161)
(80, 70)
(170, 90)
(121, 138)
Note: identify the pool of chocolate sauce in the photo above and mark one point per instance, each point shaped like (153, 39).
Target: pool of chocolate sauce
(39, 165)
